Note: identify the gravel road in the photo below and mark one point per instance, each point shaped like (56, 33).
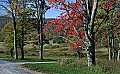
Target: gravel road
(11, 67)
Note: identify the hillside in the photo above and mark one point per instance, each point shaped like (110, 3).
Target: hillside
(3, 20)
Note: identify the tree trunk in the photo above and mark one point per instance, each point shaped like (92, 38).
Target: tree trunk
(15, 33)
(118, 57)
(41, 38)
(15, 42)
(15, 36)
(90, 12)
(40, 42)
(38, 30)
(111, 47)
(22, 43)
(78, 54)
(41, 28)
(11, 52)
(110, 53)
(91, 54)
(22, 33)
(113, 51)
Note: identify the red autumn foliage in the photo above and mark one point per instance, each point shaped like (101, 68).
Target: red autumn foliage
(69, 21)
(95, 40)
(48, 7)
(62, 8)
(108, 5)
(49, 1)
(77, 46)
(82, 34)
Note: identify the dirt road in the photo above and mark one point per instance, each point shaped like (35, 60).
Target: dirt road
(11, 67)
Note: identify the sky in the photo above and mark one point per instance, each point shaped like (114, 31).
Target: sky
(51, 13)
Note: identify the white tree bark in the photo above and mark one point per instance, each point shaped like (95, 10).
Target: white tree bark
(90, 12)
(111, 47)
(118, 57)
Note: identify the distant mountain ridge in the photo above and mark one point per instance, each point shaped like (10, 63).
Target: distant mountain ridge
(4, 20)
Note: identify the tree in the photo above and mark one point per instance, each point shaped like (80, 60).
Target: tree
(22, 23)
(24, 14)
(39, 8)
(113, 36)
(19, 14)
(78, 21)
(109, 30)
(12, 10)
(8, 34)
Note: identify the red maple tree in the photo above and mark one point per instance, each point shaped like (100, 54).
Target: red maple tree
(76, 23)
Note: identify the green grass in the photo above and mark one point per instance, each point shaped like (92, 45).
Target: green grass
(68, 66)
(5, 56)
(27, 59)
(56, 69)
(65, 66)
(51, 46)
(56, 46)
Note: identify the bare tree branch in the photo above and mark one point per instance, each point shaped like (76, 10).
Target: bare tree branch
(101, 22)
(5, 8)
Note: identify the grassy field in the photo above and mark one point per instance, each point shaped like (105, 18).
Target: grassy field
(67, 60)
(77, 67)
